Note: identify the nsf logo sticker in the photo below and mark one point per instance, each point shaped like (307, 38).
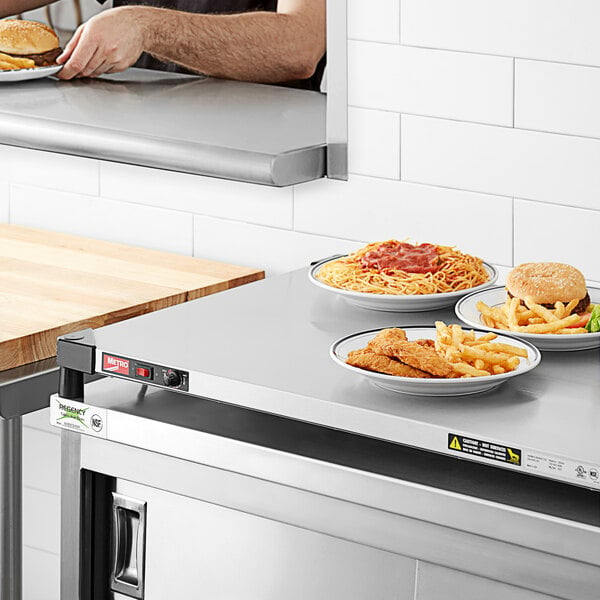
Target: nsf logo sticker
(97, 422)
(77, 417)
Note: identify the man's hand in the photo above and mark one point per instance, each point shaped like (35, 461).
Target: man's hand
(110, 42)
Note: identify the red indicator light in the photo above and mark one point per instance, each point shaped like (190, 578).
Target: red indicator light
(142, 372)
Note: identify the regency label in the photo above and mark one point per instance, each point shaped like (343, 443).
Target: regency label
(78, 417)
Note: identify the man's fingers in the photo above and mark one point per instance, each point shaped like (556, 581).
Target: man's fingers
(105, 67)
(71, 44)
(78, 62)
(96, 61)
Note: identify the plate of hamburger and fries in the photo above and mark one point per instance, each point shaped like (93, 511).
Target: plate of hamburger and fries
(398, 276)
(28, 50)
(444, 360)
(547, 304)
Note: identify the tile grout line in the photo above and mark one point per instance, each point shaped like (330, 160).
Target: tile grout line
(471, 122)
(475, 53)
(496, 195)
(399, 22)
(57, 554)
(400, 147)
(513, 233)
(514, 90)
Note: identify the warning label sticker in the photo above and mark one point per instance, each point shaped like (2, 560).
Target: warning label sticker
(482, 449)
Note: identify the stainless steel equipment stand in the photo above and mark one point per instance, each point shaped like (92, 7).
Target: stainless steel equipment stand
(10, 509)
(22, 390)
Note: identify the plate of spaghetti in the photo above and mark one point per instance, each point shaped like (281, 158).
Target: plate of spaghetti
(398, 276)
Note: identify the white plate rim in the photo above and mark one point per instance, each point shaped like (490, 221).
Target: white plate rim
(399, 298)
(518, 334)
(35, 72)
(534, 357)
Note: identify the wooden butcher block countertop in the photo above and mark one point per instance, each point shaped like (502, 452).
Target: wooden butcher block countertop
(52, 284)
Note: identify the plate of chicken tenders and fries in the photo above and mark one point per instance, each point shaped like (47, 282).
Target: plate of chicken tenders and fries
(444, 360)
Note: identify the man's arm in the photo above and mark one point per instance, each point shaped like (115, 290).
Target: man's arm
(254, 46)
(9, 8)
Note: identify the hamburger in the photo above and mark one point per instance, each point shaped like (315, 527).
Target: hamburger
(29, 39)
(548, 283)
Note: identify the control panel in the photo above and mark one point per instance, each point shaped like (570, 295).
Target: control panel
(144, 371)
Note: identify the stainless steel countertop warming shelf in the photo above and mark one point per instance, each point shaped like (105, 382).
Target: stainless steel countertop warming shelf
(248, 132)
(280, 330)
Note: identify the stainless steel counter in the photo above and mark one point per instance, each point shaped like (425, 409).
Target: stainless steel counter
(248, 132)
(528, 532)
(265, 346)
(295, 439)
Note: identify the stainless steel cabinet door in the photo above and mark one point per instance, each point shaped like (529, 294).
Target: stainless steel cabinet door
(435, 583)
(199, 550)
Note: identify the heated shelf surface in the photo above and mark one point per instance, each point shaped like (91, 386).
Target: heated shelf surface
(266, 347)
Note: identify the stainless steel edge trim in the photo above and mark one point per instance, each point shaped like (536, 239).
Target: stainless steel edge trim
(70, 490)
(485, 518)
(148, 151)
(337, 90)
(396, 531)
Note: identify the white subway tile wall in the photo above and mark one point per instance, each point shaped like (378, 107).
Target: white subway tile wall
(275, 250)
(374, 143)
(376, 20)
(557, 233)
(471, 122)
(41, 574)
(4, 202)
(455, 85)
(557, 98)
(51, 170)
(41, 522)
(200, 195)
(557, 30)
(96, 217)
(560, 169)
(370, 209)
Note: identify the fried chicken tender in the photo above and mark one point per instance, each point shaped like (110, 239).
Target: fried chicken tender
(422, 357)
(426, 343)
(379, 363)
(386, 336)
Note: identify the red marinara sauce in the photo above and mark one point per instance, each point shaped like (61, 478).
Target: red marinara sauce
(402, 256)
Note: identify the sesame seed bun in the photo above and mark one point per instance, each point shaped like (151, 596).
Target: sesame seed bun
(21, 38)
(546, 283)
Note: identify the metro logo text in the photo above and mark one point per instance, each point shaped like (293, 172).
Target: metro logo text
(114, 364)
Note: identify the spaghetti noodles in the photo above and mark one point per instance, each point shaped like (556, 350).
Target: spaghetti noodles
(455, 271)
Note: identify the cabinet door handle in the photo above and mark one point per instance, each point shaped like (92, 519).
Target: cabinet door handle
(128, 546)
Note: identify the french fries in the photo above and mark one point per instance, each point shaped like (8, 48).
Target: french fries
(531, 318)
(13, 63)
(6, 66)
(473, 356)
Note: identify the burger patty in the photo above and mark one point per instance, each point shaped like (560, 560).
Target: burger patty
(45, 59)
(579, 308)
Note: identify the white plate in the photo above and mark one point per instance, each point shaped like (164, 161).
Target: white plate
(430, 387)
(24, 74)
(466, 310)
(396, 303)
